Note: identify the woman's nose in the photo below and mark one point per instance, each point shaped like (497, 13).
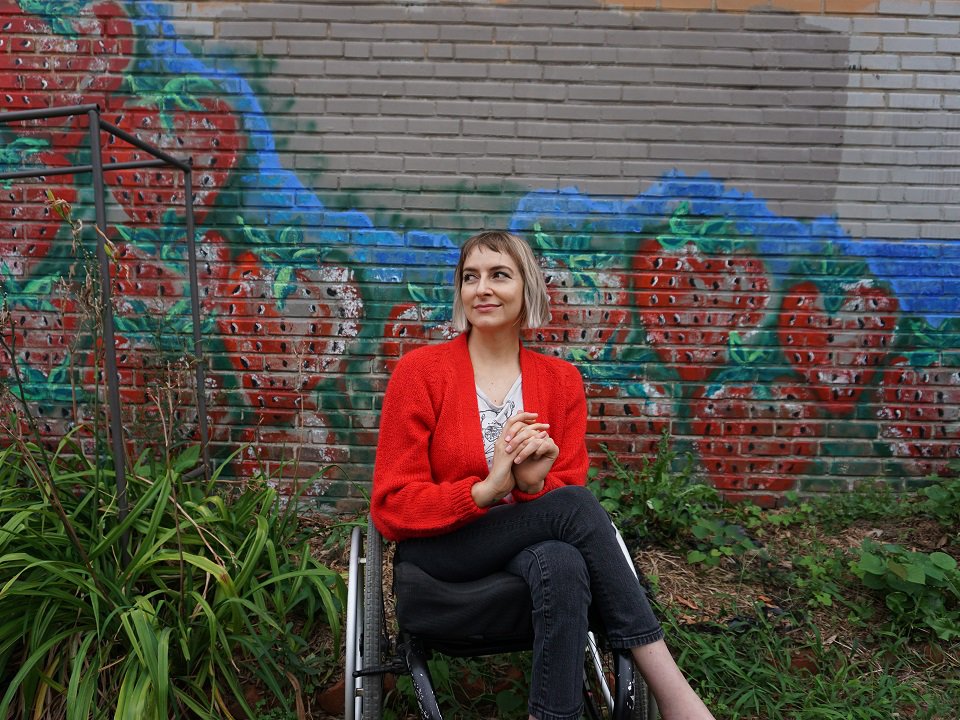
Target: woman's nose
(482, 286)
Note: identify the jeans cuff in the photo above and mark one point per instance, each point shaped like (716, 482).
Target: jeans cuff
(636, 640)
(542, 714)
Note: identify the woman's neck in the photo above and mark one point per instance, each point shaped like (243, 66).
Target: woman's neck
(493, 348)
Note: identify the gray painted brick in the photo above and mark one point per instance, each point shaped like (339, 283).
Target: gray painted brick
(513, 147)
(514, 71)
(904, 7)
(313, 48)
(430, 88)
(328, 11)
(946, 8)
(300, 29)
(937, 63)
(897, 44)
(433, 126)
(467, 51)
(466, 33)
(521, 34)
(484, 90)
(460, 70)
(407, 69)
(934, 27)
(244, 30)
(407, 106)
(942, 81)
(398, 49)
(915, 101)
(577, 36)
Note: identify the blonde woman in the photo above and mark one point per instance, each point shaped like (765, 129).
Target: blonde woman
(480, 467)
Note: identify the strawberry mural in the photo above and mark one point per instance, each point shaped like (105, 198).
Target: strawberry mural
(837, 342)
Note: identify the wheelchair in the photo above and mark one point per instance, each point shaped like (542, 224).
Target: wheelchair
(484, 617)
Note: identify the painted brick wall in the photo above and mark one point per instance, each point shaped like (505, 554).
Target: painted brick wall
(748, 213)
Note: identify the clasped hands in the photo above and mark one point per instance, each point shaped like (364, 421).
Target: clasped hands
(522, 457)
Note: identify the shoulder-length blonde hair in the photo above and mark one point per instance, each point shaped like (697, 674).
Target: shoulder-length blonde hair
(536, 302)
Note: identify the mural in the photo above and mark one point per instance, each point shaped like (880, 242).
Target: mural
(784, 353)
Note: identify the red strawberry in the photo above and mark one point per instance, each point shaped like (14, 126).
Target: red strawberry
(920, 413)
(690, 302)
(837, 352)
(209, 134)
(283, 350)
(77, 60)
(756, 436)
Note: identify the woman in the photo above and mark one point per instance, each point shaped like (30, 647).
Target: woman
(480, 467)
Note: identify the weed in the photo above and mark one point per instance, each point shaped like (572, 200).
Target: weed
(921, 590)
(655, 502)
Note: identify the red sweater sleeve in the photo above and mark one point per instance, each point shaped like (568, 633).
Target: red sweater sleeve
(569, 431)
(409, 499)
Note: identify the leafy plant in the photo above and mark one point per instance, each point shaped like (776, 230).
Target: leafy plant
(921, 590)
(655, 502)
(943, 501)
(169, 612)
(717, 539)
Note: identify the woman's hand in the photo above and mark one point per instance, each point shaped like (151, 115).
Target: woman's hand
(518, 431)
(535, 453)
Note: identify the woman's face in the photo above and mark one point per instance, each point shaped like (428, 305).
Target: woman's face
(491, 289)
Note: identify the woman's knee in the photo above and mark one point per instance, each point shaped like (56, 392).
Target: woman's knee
(561, 565)
(582, 501)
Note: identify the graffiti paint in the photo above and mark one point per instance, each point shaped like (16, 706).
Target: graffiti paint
(781, 351)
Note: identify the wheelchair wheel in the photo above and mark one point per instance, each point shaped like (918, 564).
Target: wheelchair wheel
(373, 638)
(612, 689)
(365, 641)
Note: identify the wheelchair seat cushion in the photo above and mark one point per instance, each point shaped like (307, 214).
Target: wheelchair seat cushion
(492, 614)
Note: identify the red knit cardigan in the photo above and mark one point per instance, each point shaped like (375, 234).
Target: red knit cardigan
(430, 449)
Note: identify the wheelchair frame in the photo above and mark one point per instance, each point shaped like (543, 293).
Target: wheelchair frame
(613, 690)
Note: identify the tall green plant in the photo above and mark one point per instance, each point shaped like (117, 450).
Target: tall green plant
(218, 590)
(656, 501)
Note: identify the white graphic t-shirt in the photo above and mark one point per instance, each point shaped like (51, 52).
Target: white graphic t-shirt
(493, 418)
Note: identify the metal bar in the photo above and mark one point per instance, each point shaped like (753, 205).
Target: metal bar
(110, 348)
(195, 311)
(20, 115)
(77, 169)
(146, 147)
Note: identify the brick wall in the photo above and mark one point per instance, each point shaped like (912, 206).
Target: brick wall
(747, 213)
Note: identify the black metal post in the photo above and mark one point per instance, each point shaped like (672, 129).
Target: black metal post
(195, 310)
(110, 349)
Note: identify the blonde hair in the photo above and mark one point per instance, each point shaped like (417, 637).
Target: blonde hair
(536, 302)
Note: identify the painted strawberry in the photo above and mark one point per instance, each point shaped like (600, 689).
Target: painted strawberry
(919, 412)
(689, 303)
(589, 314)
(208, 132)
(755, 435)
(63, 55)
(837, 350)
(282, 349)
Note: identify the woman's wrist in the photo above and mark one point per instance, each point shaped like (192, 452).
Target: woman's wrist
(490, 491)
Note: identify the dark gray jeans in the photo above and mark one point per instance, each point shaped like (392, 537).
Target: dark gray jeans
(565, 548)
